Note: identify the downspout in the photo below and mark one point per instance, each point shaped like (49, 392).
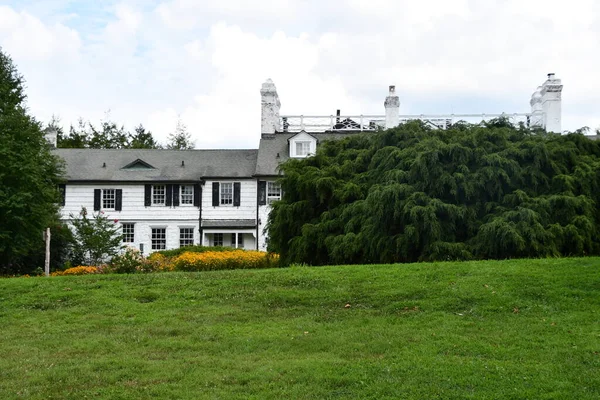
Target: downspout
(257, 205)
(202, 182)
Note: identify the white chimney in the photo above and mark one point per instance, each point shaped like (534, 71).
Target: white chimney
(537, 111)
(551, 104)
(392, 109)
(51, 136)
(270, 105)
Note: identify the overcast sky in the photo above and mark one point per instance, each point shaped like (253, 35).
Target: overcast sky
(143, 61)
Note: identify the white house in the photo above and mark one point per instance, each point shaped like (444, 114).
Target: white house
(165, 199)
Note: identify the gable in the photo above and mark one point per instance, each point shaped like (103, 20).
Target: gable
(302, 145)
(137, 165)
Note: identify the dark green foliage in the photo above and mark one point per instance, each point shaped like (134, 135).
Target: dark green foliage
(29, 176)
(107, 136)
(416, 194)
(142, 139)
(181, 138)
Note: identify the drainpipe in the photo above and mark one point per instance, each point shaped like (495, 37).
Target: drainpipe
(257, 205)
(201, 185)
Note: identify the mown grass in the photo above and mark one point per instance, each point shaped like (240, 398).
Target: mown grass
(523, 329)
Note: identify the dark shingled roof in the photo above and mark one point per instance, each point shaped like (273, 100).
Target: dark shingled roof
(228, 223)
(108, 164)
(273, 144)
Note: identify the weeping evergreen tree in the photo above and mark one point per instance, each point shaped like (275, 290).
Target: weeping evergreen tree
(416, 194)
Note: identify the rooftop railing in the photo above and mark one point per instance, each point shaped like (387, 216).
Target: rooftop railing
(312, 123)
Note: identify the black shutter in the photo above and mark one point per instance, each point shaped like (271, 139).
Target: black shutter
(96, 199)
(237, 187)
(62, 193)
(215, 194)
(262, 193)
(148, 195)
(175, 195)
(118, 199)
(168, 201)
(197, 193)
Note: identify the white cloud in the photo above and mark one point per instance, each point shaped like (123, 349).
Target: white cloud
(206, 60)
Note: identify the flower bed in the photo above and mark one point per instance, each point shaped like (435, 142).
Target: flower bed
(79, 270)
(215, 260)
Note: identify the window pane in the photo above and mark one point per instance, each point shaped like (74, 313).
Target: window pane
(273, 192)
(226, 193)
(108, 199)
(187, 194)
(217, 239)
(186, 237)
(128, 233)
(302, 148)
(158, 194)
(159, 238)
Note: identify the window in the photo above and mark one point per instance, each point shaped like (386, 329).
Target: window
(159, 238)
(187, 194)
(240, 240)
(302, 148)
(273, 192)
(108, 199)
(128, 233)
(186, 237)
(226, 193)
(217, 239)
(158, 195)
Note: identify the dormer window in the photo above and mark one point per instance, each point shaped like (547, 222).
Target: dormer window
(302, 145)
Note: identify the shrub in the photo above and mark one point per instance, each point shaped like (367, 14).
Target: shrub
(129, 262)
(80, 270)
(192, 249)
(217, 260)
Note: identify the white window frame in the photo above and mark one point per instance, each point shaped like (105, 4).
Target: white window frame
(215, 241)
(272, 188)
(302, 148)
(156, 242)
(186, 195)
(125, 232)
(226, 197)
(109, 196)
(185, 236)
(240, 240)
(156, 196)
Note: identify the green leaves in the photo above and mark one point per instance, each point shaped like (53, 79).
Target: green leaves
(413, 193)
(29, 175)
(97, 238)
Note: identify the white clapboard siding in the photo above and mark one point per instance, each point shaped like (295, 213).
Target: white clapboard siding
(246, 210)
(133, 208)
(143, 233)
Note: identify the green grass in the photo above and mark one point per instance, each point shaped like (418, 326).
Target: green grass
(523, 329)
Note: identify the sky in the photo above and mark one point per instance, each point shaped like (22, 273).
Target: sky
(152, 61)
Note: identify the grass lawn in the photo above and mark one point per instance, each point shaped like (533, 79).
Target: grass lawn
(523, 329)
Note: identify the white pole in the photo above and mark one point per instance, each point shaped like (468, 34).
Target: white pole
(47, 265)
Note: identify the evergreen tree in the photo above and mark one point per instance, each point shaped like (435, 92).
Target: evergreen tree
(142, 139)
(417, 194)
(180, 139)
(29, 174)
(78, 137)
